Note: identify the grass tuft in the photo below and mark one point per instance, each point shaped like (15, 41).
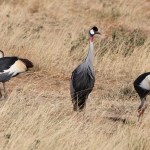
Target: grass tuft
(38, 113)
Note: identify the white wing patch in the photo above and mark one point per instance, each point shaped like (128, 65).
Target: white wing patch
(16, 68)
(145, 84)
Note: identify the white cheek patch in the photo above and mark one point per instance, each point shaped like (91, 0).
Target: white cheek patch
(92, 32)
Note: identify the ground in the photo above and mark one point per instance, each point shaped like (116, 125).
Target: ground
(38, 113)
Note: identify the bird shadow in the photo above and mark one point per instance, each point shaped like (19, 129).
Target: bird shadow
(118, 119)
(3, 99)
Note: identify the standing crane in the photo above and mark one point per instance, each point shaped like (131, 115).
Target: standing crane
(10, 67)
(142, 87)
(83, 77)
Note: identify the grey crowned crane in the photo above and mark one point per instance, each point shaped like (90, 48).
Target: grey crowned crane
(142, 87)
(10, 67)
(83, 77)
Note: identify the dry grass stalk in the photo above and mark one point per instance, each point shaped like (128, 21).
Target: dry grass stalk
(38, 112)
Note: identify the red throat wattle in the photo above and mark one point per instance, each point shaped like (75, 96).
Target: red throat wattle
(141, 113)
(92, 39)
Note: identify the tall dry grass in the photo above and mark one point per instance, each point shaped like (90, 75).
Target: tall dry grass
(53, 34)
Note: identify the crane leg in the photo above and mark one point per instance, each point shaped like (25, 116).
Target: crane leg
(5, 94)
(77, 108)
(77, 104)
(141, 109)
(0, 93)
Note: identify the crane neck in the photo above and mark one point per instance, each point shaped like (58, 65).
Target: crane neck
(89, 57)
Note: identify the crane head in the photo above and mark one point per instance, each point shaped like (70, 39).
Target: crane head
(94, 31)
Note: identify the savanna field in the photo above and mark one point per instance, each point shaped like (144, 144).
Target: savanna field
(38, 114)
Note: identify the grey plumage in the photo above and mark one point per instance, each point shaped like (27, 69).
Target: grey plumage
(5, 77)
(83, 77)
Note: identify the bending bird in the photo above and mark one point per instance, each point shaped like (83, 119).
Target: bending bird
(142, 87)
(11, 67)
(83, 77)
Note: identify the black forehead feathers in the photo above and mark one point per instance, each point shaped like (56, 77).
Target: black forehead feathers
(95, 28)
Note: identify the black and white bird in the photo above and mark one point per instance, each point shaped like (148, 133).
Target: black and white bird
(142, 87)
(10, 67)
(83, 77)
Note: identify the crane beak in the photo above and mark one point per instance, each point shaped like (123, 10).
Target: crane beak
(96, 32)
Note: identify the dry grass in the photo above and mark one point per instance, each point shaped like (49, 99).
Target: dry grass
(38, 113)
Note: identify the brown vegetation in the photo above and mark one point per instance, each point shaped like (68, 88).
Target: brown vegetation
(38, 113)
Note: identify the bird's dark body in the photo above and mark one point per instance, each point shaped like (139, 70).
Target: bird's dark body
(83, 83)
(11, 67)
(141, 78)
(7, 62)
(5, 77)
(141, 91)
